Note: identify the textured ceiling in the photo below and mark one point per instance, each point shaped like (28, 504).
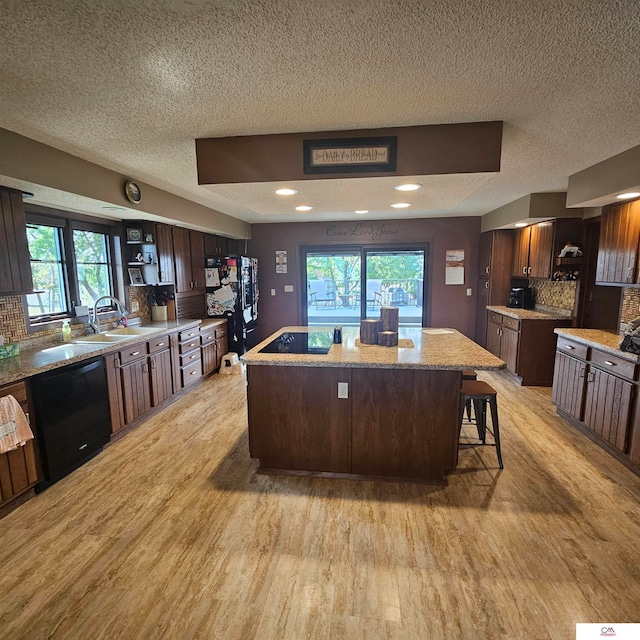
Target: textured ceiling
(130, 86)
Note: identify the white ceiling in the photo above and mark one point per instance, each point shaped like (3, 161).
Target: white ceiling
(131, 85)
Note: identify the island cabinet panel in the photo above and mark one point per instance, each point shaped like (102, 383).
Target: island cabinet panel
(297, 421)
(392, 435)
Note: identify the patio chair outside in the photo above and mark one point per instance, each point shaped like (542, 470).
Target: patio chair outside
(374, 294)
(322, 293)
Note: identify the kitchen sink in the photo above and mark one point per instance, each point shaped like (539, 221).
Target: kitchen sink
(130, 331)
(99, 337)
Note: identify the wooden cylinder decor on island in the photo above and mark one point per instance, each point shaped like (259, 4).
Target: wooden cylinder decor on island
(369, 330)
(390, 318)
(388, 338)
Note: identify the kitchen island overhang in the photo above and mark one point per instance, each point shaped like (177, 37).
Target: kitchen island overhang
(399, 419)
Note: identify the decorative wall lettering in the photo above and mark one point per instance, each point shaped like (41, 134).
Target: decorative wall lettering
(361, 230)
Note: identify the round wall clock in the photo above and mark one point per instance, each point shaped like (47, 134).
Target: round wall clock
(132, 191)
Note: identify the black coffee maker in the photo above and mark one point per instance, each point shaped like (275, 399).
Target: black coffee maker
(521, 298)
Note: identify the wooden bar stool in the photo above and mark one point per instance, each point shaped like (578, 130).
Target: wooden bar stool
(482, 394)
(469, 374)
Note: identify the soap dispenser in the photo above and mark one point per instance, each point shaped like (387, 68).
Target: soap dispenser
(66, 331)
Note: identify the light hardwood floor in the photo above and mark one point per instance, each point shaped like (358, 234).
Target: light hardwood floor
(170, 534)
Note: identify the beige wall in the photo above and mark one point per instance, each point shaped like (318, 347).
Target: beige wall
(26, 160)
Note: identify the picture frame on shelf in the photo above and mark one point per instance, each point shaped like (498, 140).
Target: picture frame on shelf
(148, 237)
(134, 235)
(135, 275)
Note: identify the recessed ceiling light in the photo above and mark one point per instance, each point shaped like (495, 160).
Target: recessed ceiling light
(520, 224)
(401, 205)
(304, 207)
(408, 187)
(625, 196)
(286, 192)
(361, 211)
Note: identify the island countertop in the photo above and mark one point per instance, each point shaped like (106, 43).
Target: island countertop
(433, 348)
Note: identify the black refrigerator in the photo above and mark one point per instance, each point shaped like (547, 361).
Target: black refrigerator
(232, 293)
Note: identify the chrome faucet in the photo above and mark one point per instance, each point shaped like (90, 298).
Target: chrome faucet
(95, 323)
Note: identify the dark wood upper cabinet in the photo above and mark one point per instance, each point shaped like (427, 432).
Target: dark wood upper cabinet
(182, 259)
(540, 250)
(217, 246)
(15, 267)
(164, 245)
(536, 247)
(521, 252)
(196, 248)
(618, 246)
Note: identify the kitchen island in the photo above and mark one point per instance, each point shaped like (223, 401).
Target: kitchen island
(361, 410)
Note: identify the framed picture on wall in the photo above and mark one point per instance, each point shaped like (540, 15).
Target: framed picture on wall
(135, 275)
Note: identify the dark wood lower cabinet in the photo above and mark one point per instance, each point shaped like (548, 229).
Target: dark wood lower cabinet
(395, 423)
(136, 394)
(568, 384)
(509, 348)
(607, 407)
(161, 378)
(602, 405)
(19, 469)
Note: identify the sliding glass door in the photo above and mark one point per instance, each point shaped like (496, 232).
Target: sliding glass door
(395, 278)
(342, 286)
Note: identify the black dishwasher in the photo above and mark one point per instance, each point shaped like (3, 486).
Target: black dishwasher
(72, 416)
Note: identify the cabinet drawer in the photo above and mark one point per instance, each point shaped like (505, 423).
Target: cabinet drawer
(189, 335)
(512, 323)
(575, 349)
(18, 391)
(186, 347)
(208, 338)
(613, 364)
(191, 373)
(134, 352)
(495, 317)
(189, 358)
(221, 331)
(158, 344)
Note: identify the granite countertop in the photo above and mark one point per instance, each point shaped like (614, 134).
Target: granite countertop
(529, 314)
(442, 349)
(604, 340)
(33, 361)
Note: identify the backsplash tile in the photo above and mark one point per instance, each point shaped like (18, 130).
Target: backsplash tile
(556, 295)
(13, 325)
(630, 305)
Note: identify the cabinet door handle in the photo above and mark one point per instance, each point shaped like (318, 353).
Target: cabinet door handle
(581, 374)
(529, 270)
(524, 270)
(611, 364)
(568, 346)
(486, 270)
(27, 416)
(145, 367)
(486, 284)
(590, 377)
(135, 353)
(159, 344)
(153, 364)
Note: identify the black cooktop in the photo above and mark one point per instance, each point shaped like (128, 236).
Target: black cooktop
(298, 342)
